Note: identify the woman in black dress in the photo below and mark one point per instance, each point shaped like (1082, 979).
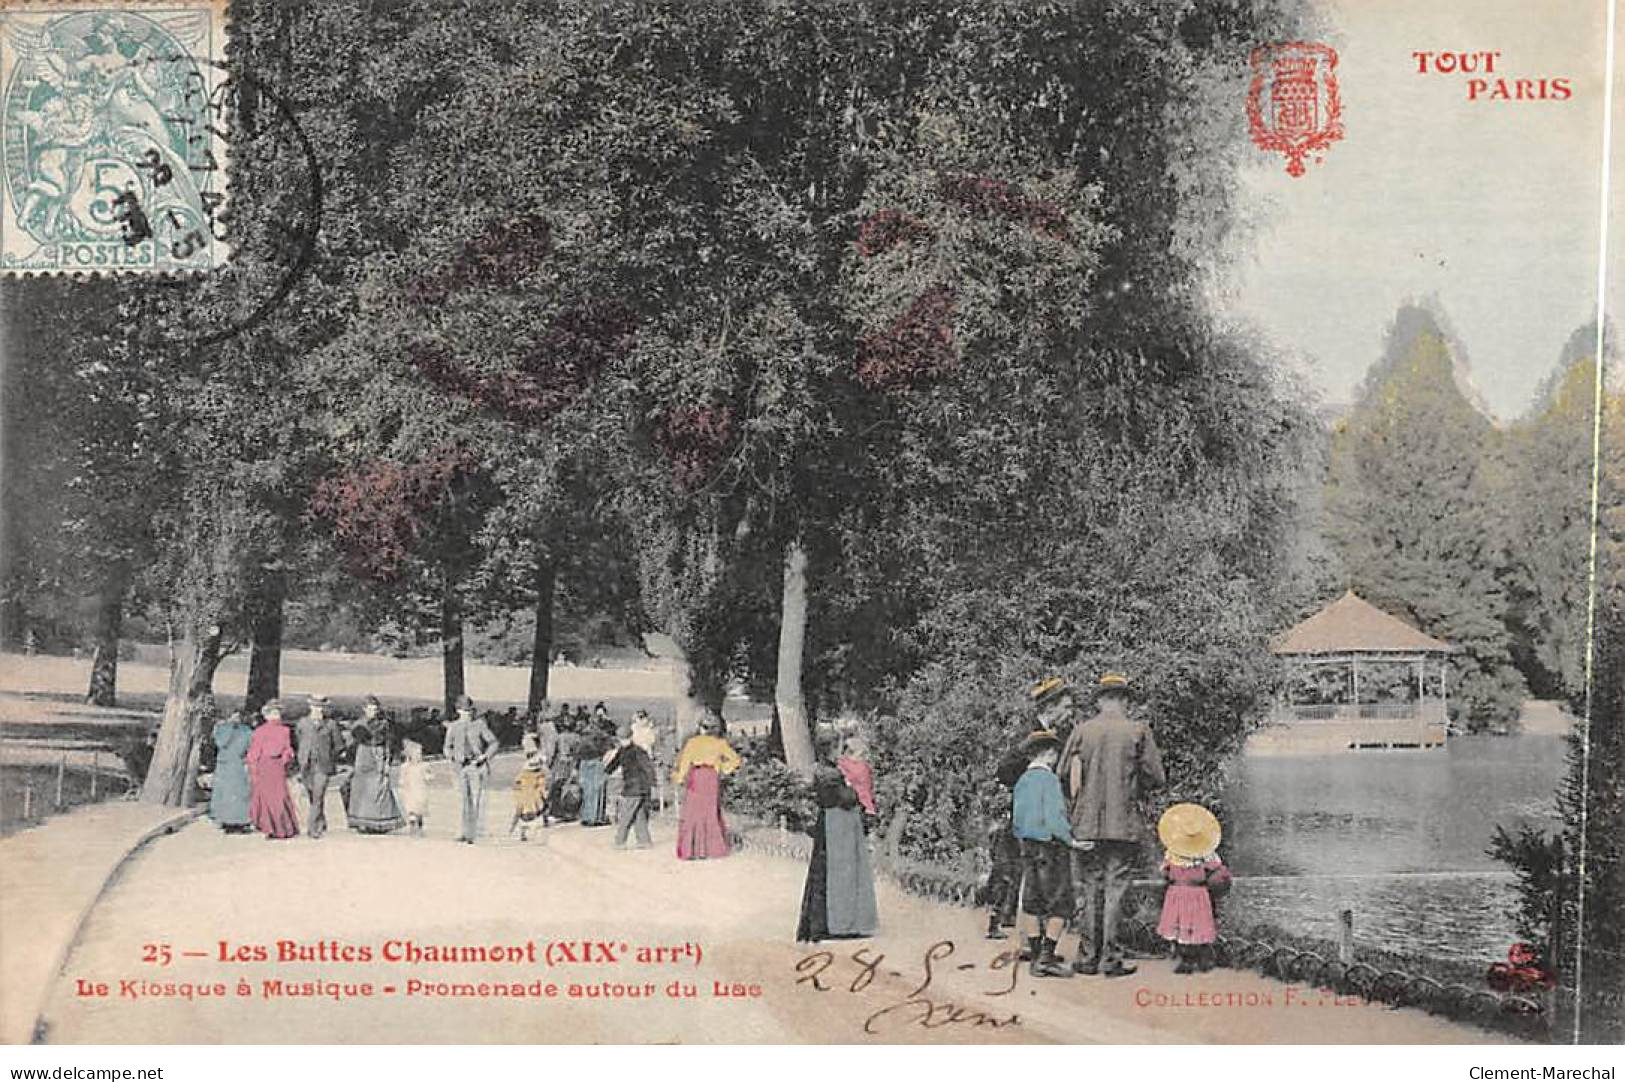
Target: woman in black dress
(838, 901)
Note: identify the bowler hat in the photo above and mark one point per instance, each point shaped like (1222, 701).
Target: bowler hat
(1189, 831)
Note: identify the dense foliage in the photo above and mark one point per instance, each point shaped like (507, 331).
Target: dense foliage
(1409, 506)
(1544, 507)
(1571, 588)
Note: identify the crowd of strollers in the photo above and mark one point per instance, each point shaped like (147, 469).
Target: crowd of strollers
(271, 774)
(1065, 853)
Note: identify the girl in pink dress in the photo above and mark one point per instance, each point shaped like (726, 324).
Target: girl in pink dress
(1194, 874)
(270, 750)
(1187, 909)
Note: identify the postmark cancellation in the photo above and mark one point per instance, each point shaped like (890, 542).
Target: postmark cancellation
(113, 125)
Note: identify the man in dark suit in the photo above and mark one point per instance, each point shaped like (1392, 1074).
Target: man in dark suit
(320, 746)
(470, 744)
(1110, 764)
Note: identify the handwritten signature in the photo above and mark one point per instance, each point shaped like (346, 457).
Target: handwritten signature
(916, 1008)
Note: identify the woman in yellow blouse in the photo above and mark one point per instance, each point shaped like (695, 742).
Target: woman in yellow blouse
(701, 833)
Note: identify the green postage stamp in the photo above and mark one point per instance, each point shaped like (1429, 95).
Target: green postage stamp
(114, 135)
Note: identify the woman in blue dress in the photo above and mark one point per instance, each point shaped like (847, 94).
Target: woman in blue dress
(594, 782)
(228, 803)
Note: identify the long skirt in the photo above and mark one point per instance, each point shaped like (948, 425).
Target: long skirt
(838, 901)
(270, 808)
(701, 833)
(229, 799)
(593, 791)
(371, 807)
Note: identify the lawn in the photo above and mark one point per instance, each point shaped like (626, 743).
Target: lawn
(48, 684)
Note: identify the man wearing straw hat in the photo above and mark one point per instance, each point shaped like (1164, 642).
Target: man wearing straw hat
(1052, 699)
(1110, 763)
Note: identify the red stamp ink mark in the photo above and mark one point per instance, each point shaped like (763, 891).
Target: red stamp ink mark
(1292, 104)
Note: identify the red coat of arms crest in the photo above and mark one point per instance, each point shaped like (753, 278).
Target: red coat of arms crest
(1292, 104)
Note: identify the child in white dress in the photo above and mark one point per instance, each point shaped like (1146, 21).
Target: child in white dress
(414, 787)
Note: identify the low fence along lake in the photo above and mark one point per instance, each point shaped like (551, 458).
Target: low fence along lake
(1399, 837)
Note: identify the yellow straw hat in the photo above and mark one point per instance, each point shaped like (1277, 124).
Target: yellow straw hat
(1048, 690)
(1189, 831)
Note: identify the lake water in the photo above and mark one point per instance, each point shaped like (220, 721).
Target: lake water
(1399, 837)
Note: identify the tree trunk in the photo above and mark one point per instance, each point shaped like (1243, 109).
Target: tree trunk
(451, 647)
(541, 651)
(109, 627)
(265, 660)
(191, 690)
(787, 696)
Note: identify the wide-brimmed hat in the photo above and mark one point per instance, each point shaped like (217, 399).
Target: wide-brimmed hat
(464, 703)
(1189, 831)
(320, 700)
(270, 706)
(1113, 681)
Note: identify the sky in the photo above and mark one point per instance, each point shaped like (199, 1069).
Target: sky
(1490, 207)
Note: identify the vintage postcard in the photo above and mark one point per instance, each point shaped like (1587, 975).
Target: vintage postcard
(811, 523)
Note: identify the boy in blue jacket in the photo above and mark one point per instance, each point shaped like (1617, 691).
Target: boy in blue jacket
(1041, 825)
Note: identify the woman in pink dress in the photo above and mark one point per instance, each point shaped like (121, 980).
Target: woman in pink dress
(701, 832)
(270, 808)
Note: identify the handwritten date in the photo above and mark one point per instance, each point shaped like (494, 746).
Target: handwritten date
(916, 1008)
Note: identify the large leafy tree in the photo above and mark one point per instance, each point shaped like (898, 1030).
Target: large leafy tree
(1545, 508)
(1409, 509)
(230, 351)
(1118, 494)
